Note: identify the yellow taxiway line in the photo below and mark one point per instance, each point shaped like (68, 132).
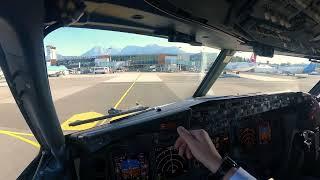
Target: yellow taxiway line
(19, 135)
(16, 133)
(81, 116)
(121, 99)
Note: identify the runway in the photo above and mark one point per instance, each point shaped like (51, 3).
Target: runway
(85, 96)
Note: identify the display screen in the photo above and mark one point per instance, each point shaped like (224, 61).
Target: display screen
(131, 166)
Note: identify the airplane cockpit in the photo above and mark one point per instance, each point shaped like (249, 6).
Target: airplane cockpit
(270, 135)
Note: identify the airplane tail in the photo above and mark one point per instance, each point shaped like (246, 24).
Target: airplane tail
(253, 58)
(310, 68)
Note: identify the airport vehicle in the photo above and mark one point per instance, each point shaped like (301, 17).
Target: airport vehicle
(273, 135)
(101, 70)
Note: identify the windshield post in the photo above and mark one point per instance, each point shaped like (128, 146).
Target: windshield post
(28, 79)
(215, 70)
(315, 90)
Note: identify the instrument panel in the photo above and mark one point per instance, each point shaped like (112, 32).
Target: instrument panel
(259, 139)
(159, 162)
(150, 155)
(250, 138)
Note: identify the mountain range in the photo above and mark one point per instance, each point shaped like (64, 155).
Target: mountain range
(98, 50)
(133, 50)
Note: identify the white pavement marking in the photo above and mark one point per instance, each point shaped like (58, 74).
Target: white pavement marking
(79, 76)
(56, 94)
(61, 93)
(124, 77)
(8, 100)
(149, 78)
(263, 78)
(210, 92)
(3, 84)
(131, 77)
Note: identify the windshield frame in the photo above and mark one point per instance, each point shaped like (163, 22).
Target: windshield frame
(214, 71)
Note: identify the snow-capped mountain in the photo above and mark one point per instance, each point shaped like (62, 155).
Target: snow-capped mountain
(133, 50)
(98, 50)
(150, 49)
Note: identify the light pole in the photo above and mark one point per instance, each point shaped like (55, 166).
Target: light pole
(179, 58)
(110, 53)
(202, 61)
(110, 60)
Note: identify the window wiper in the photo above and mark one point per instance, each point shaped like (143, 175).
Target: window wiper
(114, 113)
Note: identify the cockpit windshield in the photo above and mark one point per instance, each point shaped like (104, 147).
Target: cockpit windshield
(250, 74)
(99, 71)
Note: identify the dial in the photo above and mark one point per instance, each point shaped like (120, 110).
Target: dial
(247, 138)
(169, 163)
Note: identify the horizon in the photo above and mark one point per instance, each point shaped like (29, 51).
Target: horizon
(86, 39)
(106, 48)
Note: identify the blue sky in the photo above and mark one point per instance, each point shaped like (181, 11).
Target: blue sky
(76, 41)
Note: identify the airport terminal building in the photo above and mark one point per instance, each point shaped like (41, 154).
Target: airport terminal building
(141, 62)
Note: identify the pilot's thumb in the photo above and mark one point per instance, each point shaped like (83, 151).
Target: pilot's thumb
(186, 135)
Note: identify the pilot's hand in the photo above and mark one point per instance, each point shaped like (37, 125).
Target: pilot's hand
(197, 143)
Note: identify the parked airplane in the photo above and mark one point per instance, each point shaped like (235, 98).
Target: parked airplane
(297, 69)
(242, 66)
(264, 68)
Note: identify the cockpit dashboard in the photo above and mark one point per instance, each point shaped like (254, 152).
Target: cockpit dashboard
(261, 133)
